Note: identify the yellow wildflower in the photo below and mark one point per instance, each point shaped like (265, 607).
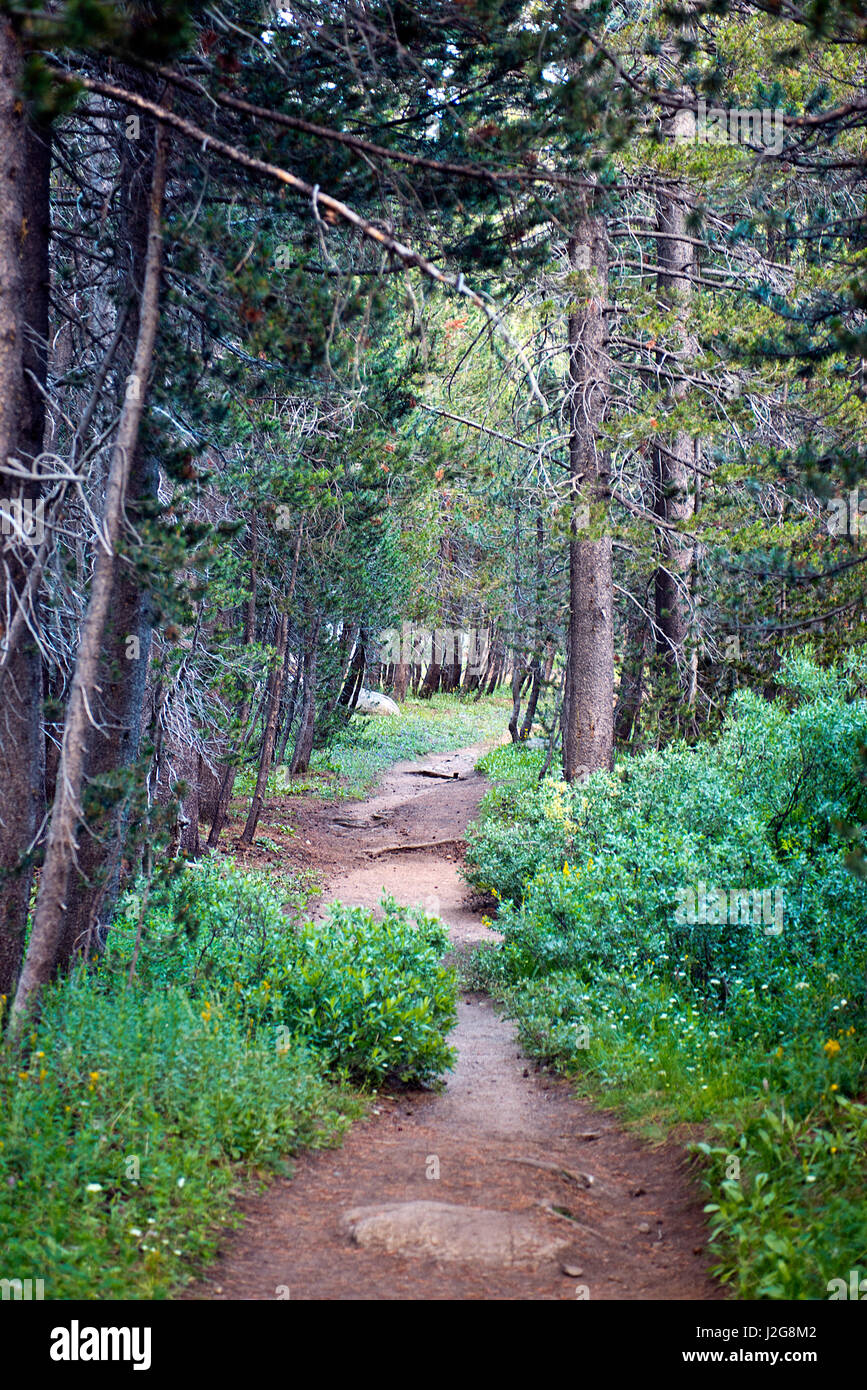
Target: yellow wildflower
(831, 1046)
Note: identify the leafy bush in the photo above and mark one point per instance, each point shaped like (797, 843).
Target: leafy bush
(371, 996)
(593, 876)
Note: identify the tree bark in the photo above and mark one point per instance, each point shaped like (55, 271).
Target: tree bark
(290, 712)
(355, 675)
(533, 700)
(304, 741)
(51, 904)
(431, 683)
(346, 650)
(401, 681)
(588, 730)
(536, 661)
(631, 691)
(188, 839)
(25, 170)
(674, 457)
(230, 771)
(496, 669)
(517, 682)
(278, 676)
(115, 738)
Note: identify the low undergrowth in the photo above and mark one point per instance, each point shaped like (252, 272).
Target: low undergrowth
(130, 1125)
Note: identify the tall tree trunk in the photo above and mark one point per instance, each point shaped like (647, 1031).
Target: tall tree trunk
(401, 680)
(630, 693)
(536, 662)
(290, 713)
(25, 163)
(517, 682)
(588, 730)
(431, 683)
(304, 742)
(278, 676)
(25, 169)
(674, 457)
(355, 676)
(345, 653)
(498, 661)
(533, 700)
(115, 737)
(188, 839)
(230, 771)
(455, 668)
(51, 903)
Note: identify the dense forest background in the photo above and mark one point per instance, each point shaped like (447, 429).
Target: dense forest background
(419, 348)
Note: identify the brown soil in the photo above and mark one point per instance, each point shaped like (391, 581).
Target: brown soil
(504, 1137)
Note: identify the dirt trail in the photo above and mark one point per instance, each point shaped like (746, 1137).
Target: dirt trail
(504, 1186)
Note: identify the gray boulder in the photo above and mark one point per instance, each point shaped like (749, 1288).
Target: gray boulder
(372, 702)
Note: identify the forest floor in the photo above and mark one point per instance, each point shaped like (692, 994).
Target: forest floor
(502, 1186)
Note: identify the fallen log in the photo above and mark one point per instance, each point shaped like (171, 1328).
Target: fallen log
(425, 844)
(429, 772)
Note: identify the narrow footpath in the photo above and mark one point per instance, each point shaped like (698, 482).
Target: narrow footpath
(503, 1186)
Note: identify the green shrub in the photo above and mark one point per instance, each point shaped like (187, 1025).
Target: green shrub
(371, 996)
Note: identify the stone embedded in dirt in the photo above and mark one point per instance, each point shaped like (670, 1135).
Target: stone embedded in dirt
(438, 1230)
(573, 1271)
(644, 1228)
